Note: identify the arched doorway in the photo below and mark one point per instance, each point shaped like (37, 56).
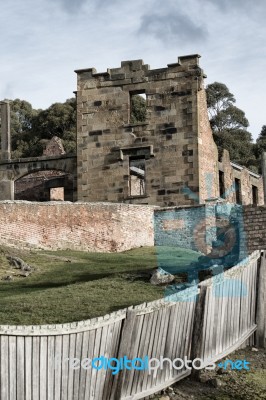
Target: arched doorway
(47, 185)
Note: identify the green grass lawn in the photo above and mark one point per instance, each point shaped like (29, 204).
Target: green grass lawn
(69, 286)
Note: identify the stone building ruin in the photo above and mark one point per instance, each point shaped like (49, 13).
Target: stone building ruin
(171, 158)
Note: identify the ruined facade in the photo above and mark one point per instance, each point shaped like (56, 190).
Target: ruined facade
(172, 150)
(167, 160)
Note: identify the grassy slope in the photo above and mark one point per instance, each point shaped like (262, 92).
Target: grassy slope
(90, 285)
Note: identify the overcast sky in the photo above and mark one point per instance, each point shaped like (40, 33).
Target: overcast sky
(42, 42)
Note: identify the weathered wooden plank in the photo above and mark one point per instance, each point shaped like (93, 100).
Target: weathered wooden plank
(72, 346)
(172, 328)
(94, 373)
(12, 349)
(165, 327)
(28, 368)
(125, 345)
(43, 368)
(91, 354)
(77, 372)
(62, 329)
(197, 335)
(65, 366)
(130, 376)
(4, 368)
(100, 378)
(50, 367)
(260, 337)
(35, 368)
(83, 371)
(112, 351)
(20, 368)
(58, 360)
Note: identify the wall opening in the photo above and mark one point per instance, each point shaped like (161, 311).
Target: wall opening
(254, 195)
(138, 107)
(238, 191)
(57, 194)
(221, 185)
(37, 186)
(137, 172)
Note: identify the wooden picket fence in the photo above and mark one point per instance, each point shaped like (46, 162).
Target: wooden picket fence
(207, 321)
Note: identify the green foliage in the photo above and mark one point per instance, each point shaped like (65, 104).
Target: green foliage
(138, 109)
(31, 129)
(229, 125)
(261, 142)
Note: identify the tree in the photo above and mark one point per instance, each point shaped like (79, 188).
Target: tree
(58, 120)
(22, 116)
(261, 141)
(138, 109)
(229, 125)
(31, 129)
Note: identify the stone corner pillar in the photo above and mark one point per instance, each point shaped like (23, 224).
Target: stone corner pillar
(5, 130)
(7, 190)
(264, 174)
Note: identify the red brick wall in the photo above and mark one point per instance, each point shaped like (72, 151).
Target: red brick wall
(80, 226)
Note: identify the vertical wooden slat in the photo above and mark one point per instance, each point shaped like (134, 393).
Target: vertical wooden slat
(20, 368)
(12, 367)
(172, 328)
(88, 383)
(77, 372)
(125, 344)
(102, 373)
(72, 345)
(94, 372)
(50, 367)
(4, 381)
(113, 345)
(197, 335)
(36, 368)
(28, 368)
(65, 366)
(58, 360)
(83, 371)
(261, 304)
(43, 368)
(154, 317)
(132, 353)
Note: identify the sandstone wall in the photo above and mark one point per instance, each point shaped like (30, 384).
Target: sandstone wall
(95, 227)
(247, 179)
(168, 139)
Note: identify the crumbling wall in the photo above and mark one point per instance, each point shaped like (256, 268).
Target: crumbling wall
(168, 140)
(208, 154)
(80, 226)
(233, 173)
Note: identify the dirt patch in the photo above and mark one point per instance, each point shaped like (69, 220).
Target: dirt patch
(226, 384)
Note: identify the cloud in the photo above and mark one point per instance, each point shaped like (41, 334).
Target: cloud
(72, 6)
(239, 5)
(172, 27)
